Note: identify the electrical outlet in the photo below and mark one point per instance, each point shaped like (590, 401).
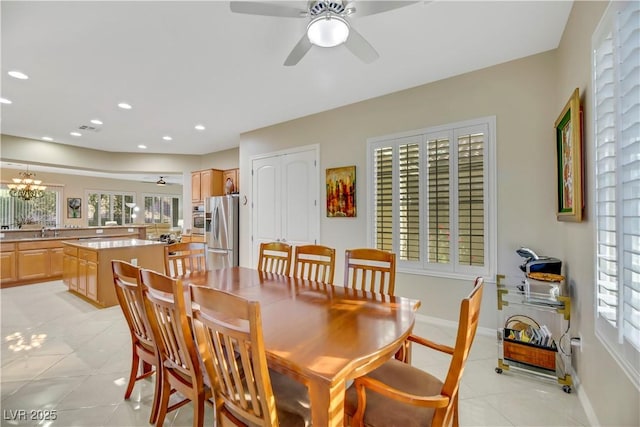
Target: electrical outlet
(134, 261)
(99, 231)
(129, 230)
(1, 235)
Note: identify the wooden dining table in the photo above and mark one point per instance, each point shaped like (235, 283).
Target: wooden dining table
(319, 334)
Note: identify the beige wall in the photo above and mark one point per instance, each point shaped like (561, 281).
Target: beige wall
(519, 93)
(76, 186)
(34, 152)
(614, 399)
(526, 96)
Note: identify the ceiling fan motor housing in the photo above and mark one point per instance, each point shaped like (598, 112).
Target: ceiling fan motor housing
(320, 6)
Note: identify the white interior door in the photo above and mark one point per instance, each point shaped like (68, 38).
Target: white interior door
(285, 199)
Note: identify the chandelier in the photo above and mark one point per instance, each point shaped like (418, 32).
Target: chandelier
(25, 187)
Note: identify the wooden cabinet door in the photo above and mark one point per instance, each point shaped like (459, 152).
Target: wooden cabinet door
(8, 266)
(206, 183)
(70, 271)
(82, 276)
(196, 182)
(92, 280)
(55, 259)
(33, 264)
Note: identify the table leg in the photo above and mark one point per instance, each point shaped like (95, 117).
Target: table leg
(327, 403)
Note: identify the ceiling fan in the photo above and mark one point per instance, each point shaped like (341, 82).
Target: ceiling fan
(161, 182)
(328, 23)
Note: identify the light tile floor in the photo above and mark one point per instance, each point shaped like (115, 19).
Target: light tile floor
(62, 355)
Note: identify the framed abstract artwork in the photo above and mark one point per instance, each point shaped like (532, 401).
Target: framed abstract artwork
(568, 128)
(74, 207)
(341, 192)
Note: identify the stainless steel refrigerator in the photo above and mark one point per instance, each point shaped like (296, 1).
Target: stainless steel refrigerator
(222, 231)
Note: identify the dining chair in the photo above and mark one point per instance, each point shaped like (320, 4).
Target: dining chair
(314, 262)
(144, 355)
(165, 305)
(275, 257)
(183, 258)
(404, 395)
(371, 270)
(228, 331)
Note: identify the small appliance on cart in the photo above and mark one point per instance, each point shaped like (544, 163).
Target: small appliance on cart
(534, 318)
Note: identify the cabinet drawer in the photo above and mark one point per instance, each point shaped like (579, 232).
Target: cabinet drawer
(70, 250)
(531, 355)
(7, 247)
(88, 255)
(40, 244)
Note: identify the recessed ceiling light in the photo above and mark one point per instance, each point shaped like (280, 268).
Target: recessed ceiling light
(18, 75)
(47, 138)
(5, 101)
(96, 122)
(167, 138)
(142, 147)
(200, 127)
(75, 134)
(124, 106)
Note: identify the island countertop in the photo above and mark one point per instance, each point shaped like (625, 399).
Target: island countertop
(113, 243)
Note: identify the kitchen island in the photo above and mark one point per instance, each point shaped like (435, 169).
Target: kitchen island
(86, 265)
(35, 255)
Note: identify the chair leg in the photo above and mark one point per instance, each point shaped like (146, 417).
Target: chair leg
(135, 364)
(198, 410)
(455, 411)
(157, 393)
(165, 394)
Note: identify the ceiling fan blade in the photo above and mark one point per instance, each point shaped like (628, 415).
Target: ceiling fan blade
(364, 8)
(360, 47)
(299, 51)
(268, 9)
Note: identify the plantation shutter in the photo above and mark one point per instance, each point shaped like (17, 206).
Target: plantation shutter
(383, 173)
(438, 199)
(409, 201)
(629, 70)
(471, 199)
(616, 61)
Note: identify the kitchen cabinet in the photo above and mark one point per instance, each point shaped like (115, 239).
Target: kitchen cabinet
(285, 196)
(39, 260)
(232, 176)
(87, 266)
(8, 263)
(206, 183)
(70, 267)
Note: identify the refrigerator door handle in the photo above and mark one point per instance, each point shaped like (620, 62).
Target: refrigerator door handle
(216, 224)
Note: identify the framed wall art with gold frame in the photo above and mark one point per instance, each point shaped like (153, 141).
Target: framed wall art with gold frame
(568, 128)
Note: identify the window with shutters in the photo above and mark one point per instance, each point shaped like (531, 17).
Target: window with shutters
(46, 210)
(616, 87)
(161, 208)
(103, 206)
(431, 201)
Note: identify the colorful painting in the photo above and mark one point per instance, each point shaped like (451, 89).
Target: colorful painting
(569, 152)
(341, 192)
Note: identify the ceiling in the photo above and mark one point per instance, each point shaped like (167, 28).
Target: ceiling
(185, 63)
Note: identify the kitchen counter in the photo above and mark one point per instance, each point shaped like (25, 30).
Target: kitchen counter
(86, 265)
(27, 257)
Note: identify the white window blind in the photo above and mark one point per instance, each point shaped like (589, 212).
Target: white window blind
(616, 83)
(431, 198)
(45, 210)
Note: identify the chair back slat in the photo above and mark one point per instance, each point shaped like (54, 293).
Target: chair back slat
(184, 258)
(314, 262)
(371, 270)
(228, 330)
(275, 257)
(166, 309)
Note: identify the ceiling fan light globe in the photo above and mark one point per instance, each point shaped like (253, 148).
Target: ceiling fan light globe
(328, 31)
